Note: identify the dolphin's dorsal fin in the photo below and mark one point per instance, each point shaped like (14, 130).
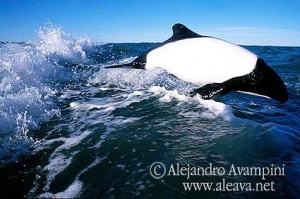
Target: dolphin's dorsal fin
(180, 32)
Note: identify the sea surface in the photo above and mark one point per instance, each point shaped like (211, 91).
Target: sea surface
(70, 128)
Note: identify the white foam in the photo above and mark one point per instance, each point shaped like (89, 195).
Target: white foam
(168, 94)
(103, 89)
(72, 191)
(134, 94)
(126, 78)
(59, 160)
(215, 109)
(209, 108)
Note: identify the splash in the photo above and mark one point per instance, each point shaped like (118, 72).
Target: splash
(57, 44)
(30, 78)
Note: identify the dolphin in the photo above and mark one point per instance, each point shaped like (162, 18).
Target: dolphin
(216, 66)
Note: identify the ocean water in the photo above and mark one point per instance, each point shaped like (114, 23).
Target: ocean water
(70, 128)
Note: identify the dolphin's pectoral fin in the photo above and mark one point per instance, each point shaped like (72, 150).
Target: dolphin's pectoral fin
(210, 90)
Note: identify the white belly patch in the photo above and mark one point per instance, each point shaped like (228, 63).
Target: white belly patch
(202, 60)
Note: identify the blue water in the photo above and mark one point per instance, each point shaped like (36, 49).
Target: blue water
(70, 128)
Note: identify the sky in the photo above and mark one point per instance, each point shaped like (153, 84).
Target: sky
(244, 22)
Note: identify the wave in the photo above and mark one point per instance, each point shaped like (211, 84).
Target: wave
(31, 74)
(94, 121)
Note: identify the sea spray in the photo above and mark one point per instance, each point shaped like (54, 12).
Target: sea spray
(56, 44)
(30, 78)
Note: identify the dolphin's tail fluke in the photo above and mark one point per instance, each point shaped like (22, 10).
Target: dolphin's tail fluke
(263, 80)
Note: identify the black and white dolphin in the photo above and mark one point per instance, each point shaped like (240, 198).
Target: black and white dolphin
(218, 66)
